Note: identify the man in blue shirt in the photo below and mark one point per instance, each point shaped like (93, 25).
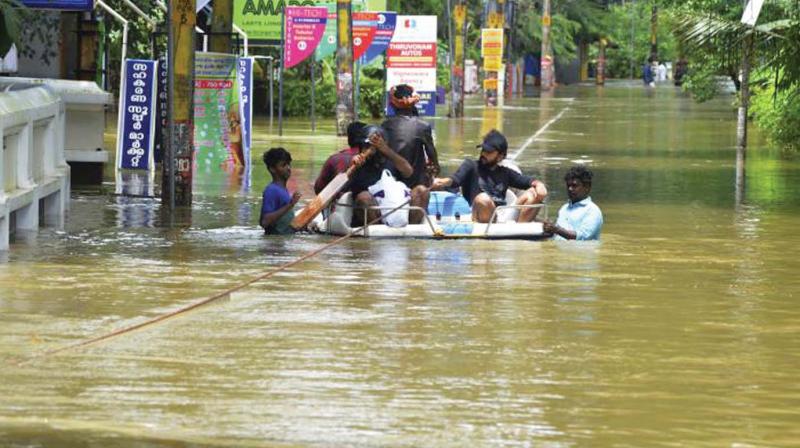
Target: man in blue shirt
(580, 218)
(277, 206)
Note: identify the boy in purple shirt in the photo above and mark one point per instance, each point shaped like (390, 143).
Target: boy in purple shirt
(277, 206)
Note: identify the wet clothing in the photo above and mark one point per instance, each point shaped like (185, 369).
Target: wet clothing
(474, 178)
(337, 163)
(583, 217)
(273, 198)
(369, 173)
(412, 138)
(647, 73)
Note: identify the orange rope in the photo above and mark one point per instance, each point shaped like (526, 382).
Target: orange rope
(203, 302)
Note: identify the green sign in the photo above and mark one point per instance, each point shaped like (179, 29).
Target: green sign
(261, 19)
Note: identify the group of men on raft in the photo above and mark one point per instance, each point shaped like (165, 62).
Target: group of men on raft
(404, 145)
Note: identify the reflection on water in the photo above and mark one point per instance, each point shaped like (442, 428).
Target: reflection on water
(679, 328)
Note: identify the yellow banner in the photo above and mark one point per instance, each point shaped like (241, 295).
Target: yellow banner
(492, 63)
(490, 84)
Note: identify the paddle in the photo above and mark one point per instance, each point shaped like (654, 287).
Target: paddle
(327, 194)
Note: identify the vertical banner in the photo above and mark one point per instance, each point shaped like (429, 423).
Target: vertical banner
(161, 110)
(245, 74)
(383, 36)
(327, 46)
(217, 130)
(304, 29)
(135, 128)
(365, 25)
(492, 48)
(411, 59)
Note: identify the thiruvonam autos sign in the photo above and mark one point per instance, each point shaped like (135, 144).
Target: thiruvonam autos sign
(411, 59)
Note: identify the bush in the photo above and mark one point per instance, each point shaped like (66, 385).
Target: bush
(701, 83)
(778, 114)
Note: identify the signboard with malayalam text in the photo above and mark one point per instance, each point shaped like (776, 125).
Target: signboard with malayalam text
(411, 59)
(137, 116)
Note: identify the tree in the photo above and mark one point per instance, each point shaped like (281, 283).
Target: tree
(11, 14)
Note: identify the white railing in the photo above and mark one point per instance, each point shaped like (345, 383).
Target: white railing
(33, 171)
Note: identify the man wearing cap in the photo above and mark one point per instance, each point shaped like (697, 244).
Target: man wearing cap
(412, 138)
(371, 170)
(484, 182)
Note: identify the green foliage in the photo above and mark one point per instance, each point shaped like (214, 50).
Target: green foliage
(778, 113)
(11, 15)
(627, 28)
(701, 83)
(297, 91)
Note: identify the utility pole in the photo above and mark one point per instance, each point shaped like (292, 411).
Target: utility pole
(177, 176)
(741, 119)
(654, 33)
(345, 111)
(457, 58)
(221, 26)
(600, 75)
(547, 61)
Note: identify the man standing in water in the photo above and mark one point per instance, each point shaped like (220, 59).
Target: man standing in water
(580, 218)
(412, 138)
(277, 207)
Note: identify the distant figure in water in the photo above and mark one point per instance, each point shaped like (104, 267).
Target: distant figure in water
(580, 218)
(647, 73)
(277, 206)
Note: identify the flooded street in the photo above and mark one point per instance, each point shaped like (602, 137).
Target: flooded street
(679, 328)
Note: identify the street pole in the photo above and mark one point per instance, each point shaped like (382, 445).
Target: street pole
(600, 75)
(280, 75)
(344, 66)
(450, 19)
(457, 74)
(222, 26)
(741, 119)
(547, 62)
(654, 33)
(177, 178)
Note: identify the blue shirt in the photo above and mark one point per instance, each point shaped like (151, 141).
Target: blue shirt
(273, 198)
(583, 217)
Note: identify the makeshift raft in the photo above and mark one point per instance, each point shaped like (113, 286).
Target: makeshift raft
(448, 217)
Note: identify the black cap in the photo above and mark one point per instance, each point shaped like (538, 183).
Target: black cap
(494, 141)
(369, 130)
(403, 91)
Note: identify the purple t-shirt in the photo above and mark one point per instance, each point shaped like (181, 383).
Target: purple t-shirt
(273, 198)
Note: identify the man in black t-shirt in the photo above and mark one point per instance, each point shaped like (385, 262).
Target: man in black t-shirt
(371, 170)
(412, 138)
(484, 182)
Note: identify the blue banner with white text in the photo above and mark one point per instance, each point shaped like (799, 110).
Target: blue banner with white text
(137, 114)
(245, 73)
(64, 5)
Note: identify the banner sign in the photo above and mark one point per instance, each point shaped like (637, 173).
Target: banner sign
(411, 59)
(492, 42)
(261, 19)
(137, 114)
(161, 110)
(304, 28)
(383, 36)
(245, 74)
(365, 25)
(63, 5)
(217, 116)
(327, 46)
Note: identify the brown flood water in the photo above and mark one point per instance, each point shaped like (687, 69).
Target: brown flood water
(680, 328)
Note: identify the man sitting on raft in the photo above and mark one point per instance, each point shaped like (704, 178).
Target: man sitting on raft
(484, 182)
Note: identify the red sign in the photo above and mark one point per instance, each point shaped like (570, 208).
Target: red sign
(411, 55)
(365, 25)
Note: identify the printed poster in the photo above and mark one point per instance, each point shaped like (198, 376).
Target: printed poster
(217, 113)
(411, 59)
(383, 36)
(304, 29)
(137, 116)
(365, 25)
